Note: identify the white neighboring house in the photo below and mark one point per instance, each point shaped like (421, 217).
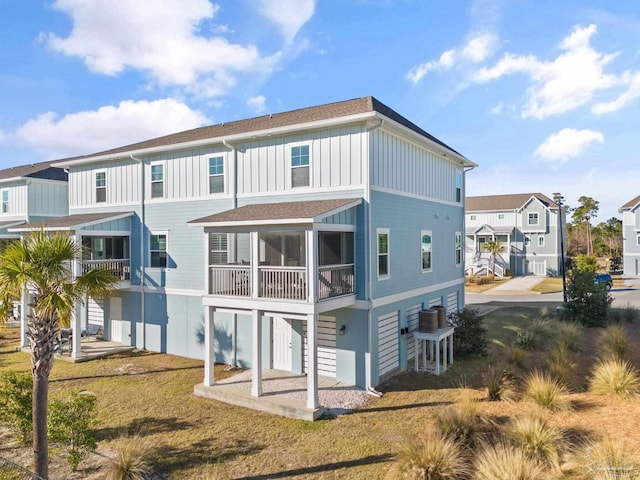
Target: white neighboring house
(527, 225)
(631, 236)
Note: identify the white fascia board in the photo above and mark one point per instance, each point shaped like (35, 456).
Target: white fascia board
(78, 226)
(251, 223)
(360, 117)
(533, 197)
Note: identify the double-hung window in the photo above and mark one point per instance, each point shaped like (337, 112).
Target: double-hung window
(383, 253)
(218, 249)
(5, 201)
(541, 241)
(458, 247)
(157, 180)
(158, 250)
(101, 187)
(300, 170)
(533, 218)
(216, 175)
(426, 249)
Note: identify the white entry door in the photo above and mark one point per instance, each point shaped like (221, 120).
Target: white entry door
(281, 352)
(115, 319)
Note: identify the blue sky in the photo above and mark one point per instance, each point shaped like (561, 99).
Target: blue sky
(543, 95)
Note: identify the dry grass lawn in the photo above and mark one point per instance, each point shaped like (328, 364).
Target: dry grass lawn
(148, 397)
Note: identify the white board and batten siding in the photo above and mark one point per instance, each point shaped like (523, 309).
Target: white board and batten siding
(388, 343)
(326, 347)
(412, 325)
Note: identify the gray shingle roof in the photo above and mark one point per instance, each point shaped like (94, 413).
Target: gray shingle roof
(630, 204)
(35, 170)
(505, 202)
(71, 221)
(277, 211)
(265, 122)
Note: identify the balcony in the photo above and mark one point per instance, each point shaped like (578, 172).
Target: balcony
(121, 268)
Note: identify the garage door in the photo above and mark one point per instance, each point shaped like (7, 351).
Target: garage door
(326, 347)
(388, 352)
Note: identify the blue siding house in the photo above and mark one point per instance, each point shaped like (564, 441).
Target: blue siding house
(631, 236)
(305, 241)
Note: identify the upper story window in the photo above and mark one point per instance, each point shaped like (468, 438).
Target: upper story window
(472, 217)
(216, 175)
(501, 216)
(541, 241)
(5, 201)
(383, 253)
(458, 247)
(157, 180)
(101, 187)
(527, 240)
(533, 218)
(638, 240)
(158, 250)
(458, 187)
(300, 173)
(425, 247)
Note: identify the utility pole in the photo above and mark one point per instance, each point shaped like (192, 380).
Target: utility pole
(558, 198)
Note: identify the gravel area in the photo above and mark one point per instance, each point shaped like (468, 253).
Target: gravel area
(337, 398)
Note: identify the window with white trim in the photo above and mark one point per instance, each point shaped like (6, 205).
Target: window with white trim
(216, 175)
(533, 218)
(472, 217)
(501, 216)
(300, 170)
(458, 247)
(458, 187)
(157, 180)
(218, 249)
(426, 249)
(101, 187)
(383, 253)
(158, 250)
(541, 241)
(638, 240)
(527, 240)
(5, 201)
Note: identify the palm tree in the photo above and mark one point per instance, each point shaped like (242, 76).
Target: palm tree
(43, 264)
(494, 247)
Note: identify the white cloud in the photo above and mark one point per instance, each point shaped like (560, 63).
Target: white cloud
(288, 15)
(567, 143)
(632, 93)
(160, 38)
(476, 50)
(257, 103)
(108, 127)
(563, 84)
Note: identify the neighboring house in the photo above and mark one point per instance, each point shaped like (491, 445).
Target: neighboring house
(526, 224)
(30, 193)
(304, 241)
(631, 236)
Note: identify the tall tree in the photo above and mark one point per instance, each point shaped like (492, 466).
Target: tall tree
(43, 264)
(494, 247)
(583, 214)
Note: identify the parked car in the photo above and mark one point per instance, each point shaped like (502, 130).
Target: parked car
(604, 279)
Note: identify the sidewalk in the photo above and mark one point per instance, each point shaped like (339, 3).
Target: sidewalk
(516, 286)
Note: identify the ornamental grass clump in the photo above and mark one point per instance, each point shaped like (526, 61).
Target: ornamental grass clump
(537, 438)
(615, 377)
(499, 383)
(433, 457)
(462, 421)
(131, 461)
(561, 363)
(569, 334)
(614, 344)
(630, 314)
(607, 460)
(507, 462)
(546, 391)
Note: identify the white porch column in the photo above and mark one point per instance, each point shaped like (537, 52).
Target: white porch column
(76, 321)
(209, 346)
(255, 261)
(24, 301)
(256, 358)
(312, 370)
(312, 264)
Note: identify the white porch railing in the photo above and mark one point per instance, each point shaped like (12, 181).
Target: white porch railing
(283, 282)
(335, 280)
(230, 280)
(121, 268)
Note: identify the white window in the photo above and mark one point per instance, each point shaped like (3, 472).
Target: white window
(300, 171)
(458, 246)
(501, 216)
(533, 218)
(5, 201)
(425, 249)
(541, 241)
(458, 187)
(157, 180)
(216, 175)
(218, 252)
(101, 187)
(638, 240)
(158, 250)
(383, 253)
(527, 240)
(472, 217)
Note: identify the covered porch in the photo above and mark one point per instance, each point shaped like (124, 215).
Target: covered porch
(478, 259)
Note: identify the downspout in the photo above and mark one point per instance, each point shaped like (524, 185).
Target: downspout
(142, 250)
(367, 256)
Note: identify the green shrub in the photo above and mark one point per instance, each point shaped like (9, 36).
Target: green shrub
(561, 363)
(614, 316)
(546, 391)
(587, 302)
(499, 383)
(615, 377)
(614, 343)
(15, 404)
(537, 438)
(586, 263)
(434, 457)
(507, 462)
(471, 336)
(69, 423)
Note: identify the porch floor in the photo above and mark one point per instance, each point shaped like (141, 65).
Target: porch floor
(284, 393)
(92, 349)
